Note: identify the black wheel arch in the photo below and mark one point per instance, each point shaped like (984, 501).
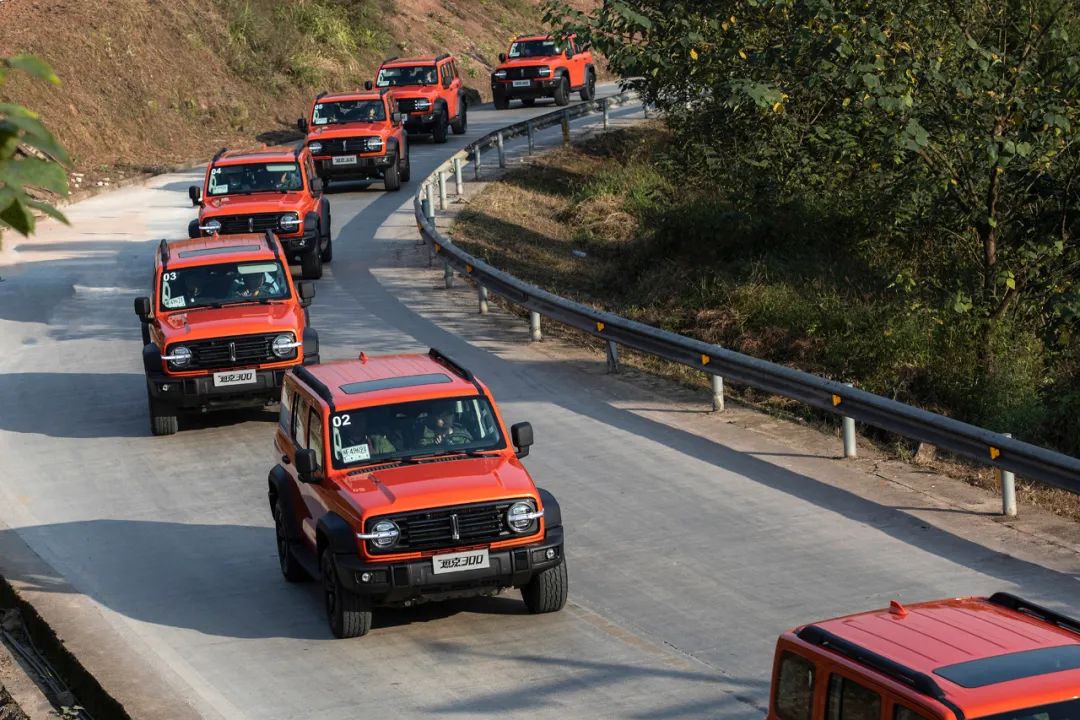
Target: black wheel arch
(311, 219)
(193, 228)
(333, 532)
(311, 345)
(552, 511)
(151, 357)
(279, 489)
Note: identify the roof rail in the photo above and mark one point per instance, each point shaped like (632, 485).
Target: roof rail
(271, 243)
(1012, 602)
(440, 58)
(218, 154)
(901, 673)
(321, 95)
(163, 251)
(390, 59)
(439, 357)
(317, 386)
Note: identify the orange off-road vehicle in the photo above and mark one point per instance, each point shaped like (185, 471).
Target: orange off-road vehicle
(272, 189)
(222, 326)
(543, 66)
(996, 658)
(429, 93)
(357, 136)
(394, 483)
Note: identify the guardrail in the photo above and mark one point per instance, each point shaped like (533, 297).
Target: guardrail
(995, 449)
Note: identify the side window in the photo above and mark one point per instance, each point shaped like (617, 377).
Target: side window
(902, 713)
(300, 418)
(285, 416)
(848, 700)
(315, 435)
(794, 688)
(445, 74)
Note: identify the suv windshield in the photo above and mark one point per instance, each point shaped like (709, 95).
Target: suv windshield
(428, 427)
(223, 284)
(254, 177)
(1068, 710)
(535, 48)
(409, 75)
(348, 111)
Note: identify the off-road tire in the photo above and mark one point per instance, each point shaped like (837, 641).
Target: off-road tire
(441, 131)
(500, 101)
(546, 592)
(311, 264)
(392, 176)
(461, 124)
(588, 92)
(161, 422)
(562, 93)
(406, 172)
(349, 614)
(328, 251)
(528, 102)
(291, 570)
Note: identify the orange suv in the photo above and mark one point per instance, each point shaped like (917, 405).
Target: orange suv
(222, 326)
(543, 66)
(394, 483)
(357, 136)
(273, 189)
(996, 658)
(429, 93)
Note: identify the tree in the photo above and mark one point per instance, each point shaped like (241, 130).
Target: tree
(30, 157)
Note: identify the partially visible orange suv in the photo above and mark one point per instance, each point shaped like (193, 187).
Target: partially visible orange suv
(538, 66)
(357, 136)
(394, 483)
(995, 658)
(222, 326)
(272, 189)
(429, 93)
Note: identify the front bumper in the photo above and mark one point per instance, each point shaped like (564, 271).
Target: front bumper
(536, 88)
(416, 581)
(420, 122)
(301, 244)
(366, 167)
(199, 391)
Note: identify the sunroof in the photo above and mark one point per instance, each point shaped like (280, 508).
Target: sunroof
(218, 250)
(394, 382)
(1013, 666)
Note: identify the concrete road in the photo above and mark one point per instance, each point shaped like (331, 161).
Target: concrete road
(689, 548)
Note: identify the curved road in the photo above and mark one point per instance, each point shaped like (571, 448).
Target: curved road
(687, 556)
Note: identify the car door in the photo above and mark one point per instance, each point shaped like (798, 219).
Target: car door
(318, 496)
(577, 64)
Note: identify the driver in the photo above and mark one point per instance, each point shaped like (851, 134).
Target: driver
(439, 429)
(255, 285)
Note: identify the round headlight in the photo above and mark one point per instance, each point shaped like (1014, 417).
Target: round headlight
(374, 143)
(180, 356)
(212, 226)
(544, 70)
(500, 74)
(518, 517)
(315, 147)
(284, 345)
(289, 221)
(385, 533)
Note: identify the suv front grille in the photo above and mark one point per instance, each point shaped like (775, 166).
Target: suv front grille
(231, 224)
(434, 529)
(408, 105)
(348, 146)
(230, 352)
(523, 73)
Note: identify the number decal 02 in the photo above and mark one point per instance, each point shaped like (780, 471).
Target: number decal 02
(342, 420)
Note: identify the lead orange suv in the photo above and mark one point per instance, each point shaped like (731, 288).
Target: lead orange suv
(394, 483)
(429, 93)
(222, 325)
(995, 658)
(538, 66)
(357, 136)
(272, 189)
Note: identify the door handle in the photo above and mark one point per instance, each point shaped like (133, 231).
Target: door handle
(285, 460)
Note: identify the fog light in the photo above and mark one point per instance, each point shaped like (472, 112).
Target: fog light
(365, 577)
(165, 388)
(550, 554)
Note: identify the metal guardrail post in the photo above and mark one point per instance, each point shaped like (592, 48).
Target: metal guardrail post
(604, 108)
(448, 274)
(850, 450)
(502, 149)
(612, 357)
(1008, 490)
(717, 393)
(476, 160)
(429, 190)
(459, 184)
(532, 138)
(442, 190)
(482, 296)
(566, 127)
(534, 327)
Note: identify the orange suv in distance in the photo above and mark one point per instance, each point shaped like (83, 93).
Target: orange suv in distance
(357, 136)
(996, 658)
(273, 189)
(222, 326)
(542, 66)
(394, 483)
(429, 93)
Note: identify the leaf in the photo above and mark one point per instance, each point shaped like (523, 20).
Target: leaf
(34, 172)
(48, 210)
(33, 66)
(17, 218)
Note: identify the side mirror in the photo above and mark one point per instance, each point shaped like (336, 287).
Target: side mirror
(368, 85)
(316, 186)
(522, 436)
(306, 288)
(195, 193)
(569, 53)
(395, 117)
(301, 125)
(502, 57)
(142, 308)
(306, 466)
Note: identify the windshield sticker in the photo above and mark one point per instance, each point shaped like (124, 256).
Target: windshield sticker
(251, 269)
(355, 453)
(176, 302)
(281, 167)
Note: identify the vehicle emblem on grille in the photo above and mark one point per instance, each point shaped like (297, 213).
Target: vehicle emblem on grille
(251, 224)
(454, 526)
(232, 352)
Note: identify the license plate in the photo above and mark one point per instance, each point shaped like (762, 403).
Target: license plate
(237, 377)
(522, 83)
(456, 562)
(344, 160)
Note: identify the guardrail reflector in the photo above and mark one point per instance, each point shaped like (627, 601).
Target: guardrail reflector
(599, 327)
(994, 453)
(705, 359)
(836, 400)
(438, 247)
(468, 268)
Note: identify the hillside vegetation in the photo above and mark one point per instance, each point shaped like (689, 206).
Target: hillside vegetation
(148, 83)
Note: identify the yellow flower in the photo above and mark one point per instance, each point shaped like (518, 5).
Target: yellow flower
(693, 54)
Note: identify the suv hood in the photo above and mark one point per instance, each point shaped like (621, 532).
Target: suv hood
(447, 481)
(347, 130)
(430, 92)
(255, 203)
(205, 323)
(531, 62)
